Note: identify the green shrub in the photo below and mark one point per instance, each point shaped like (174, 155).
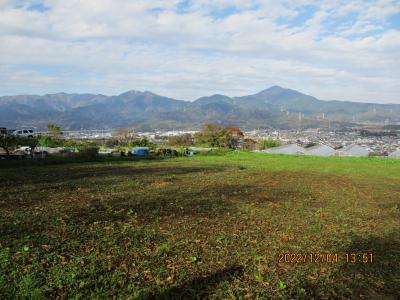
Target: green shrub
(85, 151)
(48, 141)
(215, 135)
(8, 142)
(89, 153)
(185, 139)
(267, 143)
(141, 142)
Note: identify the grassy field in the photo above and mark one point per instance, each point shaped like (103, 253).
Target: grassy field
(201, 227)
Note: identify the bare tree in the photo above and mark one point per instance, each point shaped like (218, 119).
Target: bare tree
(54, 130)
(124, 135)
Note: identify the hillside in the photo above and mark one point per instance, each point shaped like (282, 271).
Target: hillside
(274, 107)
(206, 227)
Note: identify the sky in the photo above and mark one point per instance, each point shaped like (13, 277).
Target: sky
(185, 49)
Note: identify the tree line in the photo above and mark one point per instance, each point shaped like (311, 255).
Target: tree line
(212, 135)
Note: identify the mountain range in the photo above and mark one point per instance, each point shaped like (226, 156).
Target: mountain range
(275, 107)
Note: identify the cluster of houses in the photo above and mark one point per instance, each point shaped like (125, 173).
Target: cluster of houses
(324, 150)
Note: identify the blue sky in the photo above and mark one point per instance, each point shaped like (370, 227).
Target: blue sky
(345, 50)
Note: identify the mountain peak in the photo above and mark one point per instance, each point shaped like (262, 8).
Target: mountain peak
(131, 93)
(148, 93)
(134, 93)
(276, 89)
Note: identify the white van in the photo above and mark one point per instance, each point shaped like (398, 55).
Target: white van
(24, 132)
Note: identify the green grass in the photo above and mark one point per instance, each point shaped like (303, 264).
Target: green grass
(201, 227)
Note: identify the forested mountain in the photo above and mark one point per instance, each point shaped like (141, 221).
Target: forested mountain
(274, 107)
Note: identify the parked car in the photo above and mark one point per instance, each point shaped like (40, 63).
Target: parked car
(24, 132)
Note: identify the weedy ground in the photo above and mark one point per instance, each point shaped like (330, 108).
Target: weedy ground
(201, 227)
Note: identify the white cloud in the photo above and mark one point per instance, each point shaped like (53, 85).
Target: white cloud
(110, 46)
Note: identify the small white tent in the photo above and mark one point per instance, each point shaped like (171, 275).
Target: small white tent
(395, 154)
(353, 150)
(320, 150)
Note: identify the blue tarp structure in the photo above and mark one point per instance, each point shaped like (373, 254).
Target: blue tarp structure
(140, 151)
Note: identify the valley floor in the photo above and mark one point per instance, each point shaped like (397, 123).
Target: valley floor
(202, 227)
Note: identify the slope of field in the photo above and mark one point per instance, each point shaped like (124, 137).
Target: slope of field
(202, 227)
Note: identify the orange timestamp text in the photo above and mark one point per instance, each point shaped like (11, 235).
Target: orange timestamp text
(325, 257)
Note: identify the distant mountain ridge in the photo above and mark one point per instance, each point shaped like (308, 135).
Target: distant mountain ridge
(275, 107)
